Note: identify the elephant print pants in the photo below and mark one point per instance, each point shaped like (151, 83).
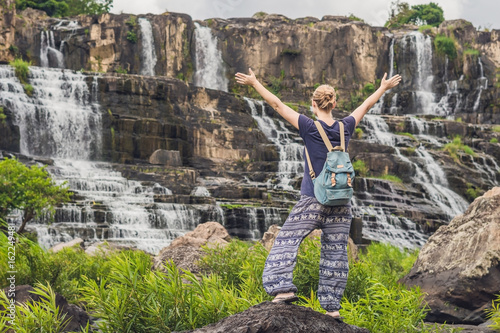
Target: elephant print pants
(308, 214)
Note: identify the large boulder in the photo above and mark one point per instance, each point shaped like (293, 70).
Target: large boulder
(186, 250)
(459, 266)
(269, 317)
(78, 317)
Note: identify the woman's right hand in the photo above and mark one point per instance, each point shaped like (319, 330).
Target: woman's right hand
(249, 80)
(391, 83)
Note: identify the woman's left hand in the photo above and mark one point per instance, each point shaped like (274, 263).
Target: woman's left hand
(249, 80)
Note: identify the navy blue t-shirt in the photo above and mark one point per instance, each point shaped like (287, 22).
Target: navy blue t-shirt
(316, 147)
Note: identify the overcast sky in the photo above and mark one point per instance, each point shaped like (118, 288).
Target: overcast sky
(483, 13)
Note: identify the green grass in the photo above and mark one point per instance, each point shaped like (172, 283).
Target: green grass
(407, 134)
(496, 128)
(391, 178)
(472, 52)
(292, 106)
(425, 29)
(456, 146)
(3, 117)
(494, 140)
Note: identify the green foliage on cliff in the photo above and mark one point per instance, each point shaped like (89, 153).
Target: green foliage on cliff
(21, 69)
(30, 190)
(60, 8)
(445, 46)
(425, 14)
(360, 168)
(454, 147)
(28, 89)
(132, 37)
(493, 140)
(2, 115)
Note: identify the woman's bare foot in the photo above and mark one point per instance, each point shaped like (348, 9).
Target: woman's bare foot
(334, 314)
(285, 298)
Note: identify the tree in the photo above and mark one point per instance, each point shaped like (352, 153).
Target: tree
(430, 14)
(30, 190)
(401, 13)
(59, 8)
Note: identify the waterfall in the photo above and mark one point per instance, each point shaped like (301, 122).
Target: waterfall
(60, 119)
(291, 162)
(50, 56)
(116, 209)
(148, 48)
(210, 72)
(431, 176)
(483, 84)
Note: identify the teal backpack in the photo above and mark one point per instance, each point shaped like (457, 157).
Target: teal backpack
(333, 186)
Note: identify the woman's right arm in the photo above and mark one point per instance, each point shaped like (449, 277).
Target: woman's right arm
(385, 85)
(285, 111)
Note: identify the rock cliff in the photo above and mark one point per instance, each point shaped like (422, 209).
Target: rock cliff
(291, 56)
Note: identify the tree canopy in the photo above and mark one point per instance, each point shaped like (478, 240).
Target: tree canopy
(28, 189)
(401, 13)
(60, 8)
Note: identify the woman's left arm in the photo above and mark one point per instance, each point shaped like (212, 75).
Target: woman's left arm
(286, 112)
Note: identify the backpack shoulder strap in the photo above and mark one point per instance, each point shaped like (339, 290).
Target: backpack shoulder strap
(311, 170)
(327, 141)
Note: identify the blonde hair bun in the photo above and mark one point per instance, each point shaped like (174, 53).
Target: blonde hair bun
(325, 97)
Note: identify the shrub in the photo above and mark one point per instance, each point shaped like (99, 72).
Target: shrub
(360, 168)
(445, 46)
(472, 192)
(259, 15)
(358, 133)
(132, 37)
(494, 314)
(132, 21)
(402, 310)
(21, 69)
(2, 115)
(352, 17)
(41, 316)
(28, 89)
(120, 70)
(291, 52)
(494, 140)
(455, 146)
(368, 89)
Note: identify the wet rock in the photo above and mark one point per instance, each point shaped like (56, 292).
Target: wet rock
(166, 157)
(459, 266)
(185, 251)
(75, 242)
(79, 318)
(269, 317)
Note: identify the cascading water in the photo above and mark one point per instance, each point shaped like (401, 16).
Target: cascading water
(61, 120)
(210, 72)
(483, 84)
(148, 55)
(291, 162)
(431, 176)
(50, 56)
